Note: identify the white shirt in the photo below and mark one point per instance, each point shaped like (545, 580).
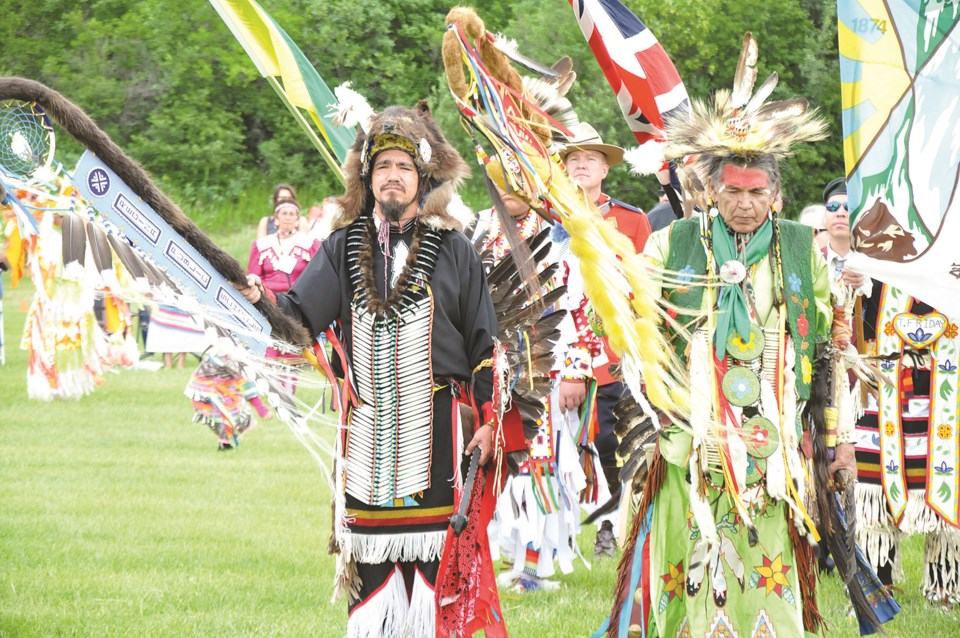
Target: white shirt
(835, 264)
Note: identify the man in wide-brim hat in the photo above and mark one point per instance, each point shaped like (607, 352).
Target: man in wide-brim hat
(588, 160)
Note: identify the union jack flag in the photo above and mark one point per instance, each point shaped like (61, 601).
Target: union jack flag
(646, 83)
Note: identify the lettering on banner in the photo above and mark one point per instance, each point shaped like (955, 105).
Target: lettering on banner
(231, 305)
(188, 264)
(137, 219)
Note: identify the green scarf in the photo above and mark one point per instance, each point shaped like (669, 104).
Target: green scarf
(732, 303)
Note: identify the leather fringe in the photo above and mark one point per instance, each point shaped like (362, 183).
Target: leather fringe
(806, 562)
(655, 479)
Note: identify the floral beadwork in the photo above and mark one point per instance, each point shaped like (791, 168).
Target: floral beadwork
(685, 274)
(794, 282)
(772, 577)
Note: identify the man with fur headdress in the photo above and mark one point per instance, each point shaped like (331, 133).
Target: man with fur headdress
(409, 294)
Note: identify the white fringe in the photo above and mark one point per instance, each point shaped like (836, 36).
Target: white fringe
(776, 463)
(396, 548)
(859, 406)
(876, 533)
(383, 614)
(422, 617)
(942, 550)
(790, 441)
(699, 506)
(918, 518)
(871, 507)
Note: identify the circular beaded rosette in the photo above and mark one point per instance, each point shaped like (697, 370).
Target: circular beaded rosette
(741, 386)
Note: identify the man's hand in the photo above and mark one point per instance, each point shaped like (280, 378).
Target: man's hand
(853, 279)
(252, 290)
(844, 461)
(482, 438)
(572, 394)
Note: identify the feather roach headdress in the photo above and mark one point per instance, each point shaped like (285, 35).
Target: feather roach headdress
(414, 132)
(739, 123)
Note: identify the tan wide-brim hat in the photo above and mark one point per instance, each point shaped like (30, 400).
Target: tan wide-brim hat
(586, 138)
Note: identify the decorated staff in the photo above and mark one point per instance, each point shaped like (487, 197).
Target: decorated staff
(502, 114)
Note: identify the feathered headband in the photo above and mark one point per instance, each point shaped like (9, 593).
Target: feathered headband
(739, 123)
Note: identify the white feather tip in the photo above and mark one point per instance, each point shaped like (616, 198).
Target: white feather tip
(351, 109)
(646, 159)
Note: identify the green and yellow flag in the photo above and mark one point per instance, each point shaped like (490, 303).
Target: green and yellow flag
(288, 70)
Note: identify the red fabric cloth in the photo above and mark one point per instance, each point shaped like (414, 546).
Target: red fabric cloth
(466, 591)
(513, 439)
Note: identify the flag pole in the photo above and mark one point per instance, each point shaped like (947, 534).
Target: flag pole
(302, 121)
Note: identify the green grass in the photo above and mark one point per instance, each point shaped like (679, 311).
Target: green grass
(119, 518)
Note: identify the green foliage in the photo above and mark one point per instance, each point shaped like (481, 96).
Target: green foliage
(169, 83)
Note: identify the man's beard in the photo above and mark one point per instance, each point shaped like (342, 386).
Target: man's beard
(393, 210)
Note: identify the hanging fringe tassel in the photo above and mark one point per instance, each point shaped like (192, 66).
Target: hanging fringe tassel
(622, 594)
(918, 517)
(385, 613)
(377, 548)
(422, 618)
(806, 563)
(700, 418)
(942, 553)
(876, 535)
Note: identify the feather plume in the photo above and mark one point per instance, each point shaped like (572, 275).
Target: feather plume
(566, 75)
(509, 48)
(645, 159)
(128, 258)
(84, 130)
(99, 248)
(763, 92)
(554, 104)
(74, 239)
(746, 73)
(351, 109)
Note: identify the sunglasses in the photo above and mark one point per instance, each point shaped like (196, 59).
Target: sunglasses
(835, 206)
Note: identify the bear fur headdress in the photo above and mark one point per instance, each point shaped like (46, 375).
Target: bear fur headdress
(440, 167)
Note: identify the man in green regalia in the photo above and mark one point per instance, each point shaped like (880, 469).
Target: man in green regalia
(722, 544)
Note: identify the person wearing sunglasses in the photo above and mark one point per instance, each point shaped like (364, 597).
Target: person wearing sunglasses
(837, 222)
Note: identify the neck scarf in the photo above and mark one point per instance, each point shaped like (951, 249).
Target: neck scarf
(732, 303)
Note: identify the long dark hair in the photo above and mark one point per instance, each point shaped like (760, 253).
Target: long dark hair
(280, 187)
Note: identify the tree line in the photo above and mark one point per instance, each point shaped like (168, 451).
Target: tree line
(168, 82)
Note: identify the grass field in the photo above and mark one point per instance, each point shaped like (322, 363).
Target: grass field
(118, 517)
